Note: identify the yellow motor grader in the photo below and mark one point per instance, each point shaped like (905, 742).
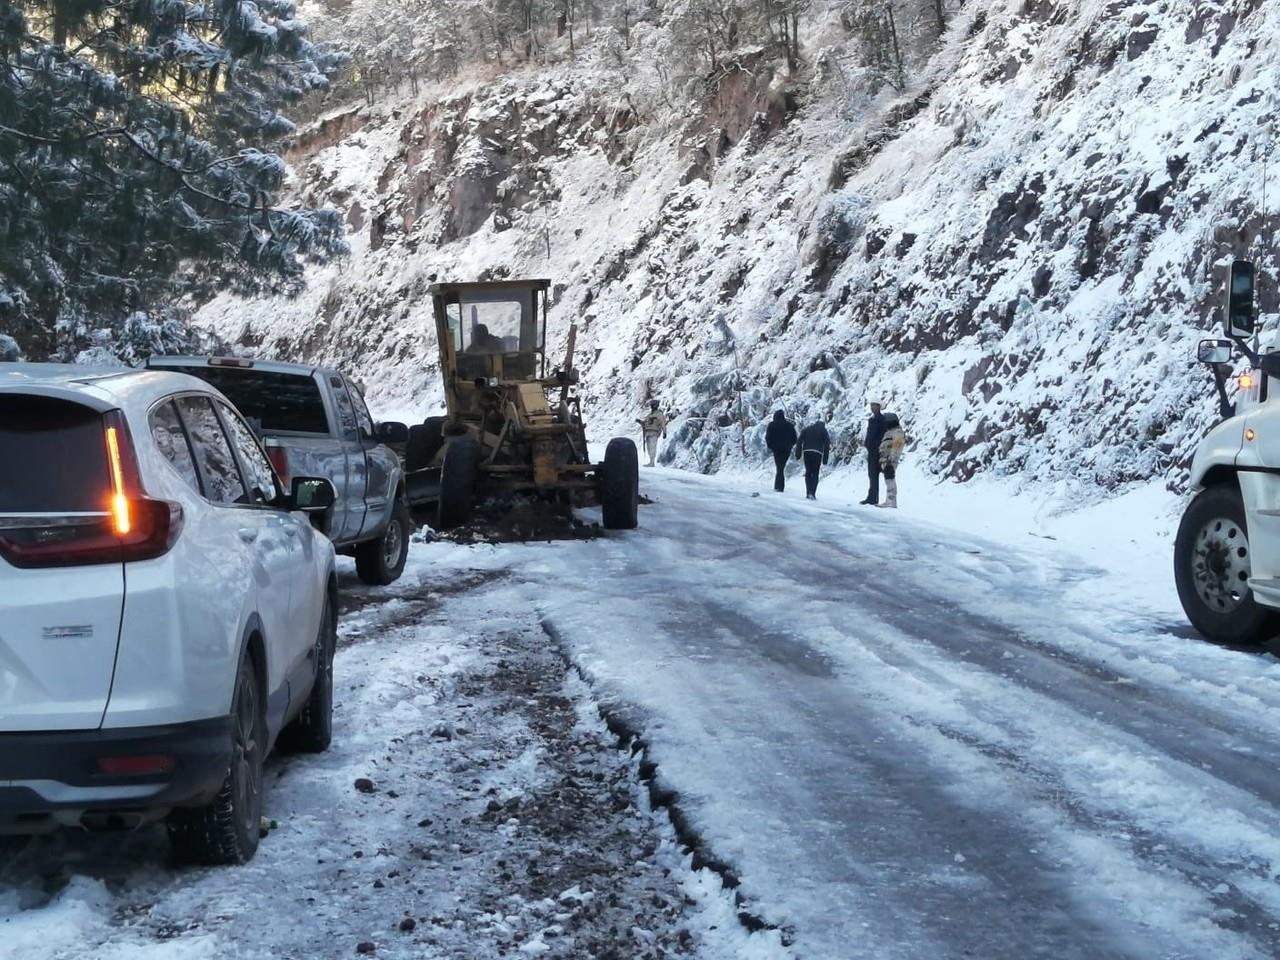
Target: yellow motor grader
(512, 426)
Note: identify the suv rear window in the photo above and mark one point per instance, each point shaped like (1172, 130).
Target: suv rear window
(287, 402)
(57, 454)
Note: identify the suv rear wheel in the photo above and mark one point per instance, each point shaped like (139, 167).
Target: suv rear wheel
(380, 561)
(227, 830)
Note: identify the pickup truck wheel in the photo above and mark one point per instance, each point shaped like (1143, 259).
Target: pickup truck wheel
(458, 478)
(312, 730)
(227, 830)
(381, 561)
(620, 485)
(1211, 566)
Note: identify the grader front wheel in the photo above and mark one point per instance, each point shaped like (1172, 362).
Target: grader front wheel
(620, 485)
(458, 477)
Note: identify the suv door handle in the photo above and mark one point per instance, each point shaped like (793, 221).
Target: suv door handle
(247, 534)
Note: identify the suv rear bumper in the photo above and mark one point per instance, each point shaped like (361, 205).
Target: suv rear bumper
(52, 779)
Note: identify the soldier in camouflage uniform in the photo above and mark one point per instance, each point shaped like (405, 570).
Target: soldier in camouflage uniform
(891, 446)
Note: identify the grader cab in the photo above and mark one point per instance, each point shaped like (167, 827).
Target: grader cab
(513, 423)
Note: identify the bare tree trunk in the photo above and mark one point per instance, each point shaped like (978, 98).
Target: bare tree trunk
(794, 54)
(941, 17)
(897, 48)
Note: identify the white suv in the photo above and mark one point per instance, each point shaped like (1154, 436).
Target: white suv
(166, 609)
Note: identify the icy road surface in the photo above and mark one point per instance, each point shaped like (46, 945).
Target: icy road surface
(913, 746)
(472, 806)
(904, 742)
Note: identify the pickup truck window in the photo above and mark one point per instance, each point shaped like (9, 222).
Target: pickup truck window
(346, 412)
(362, 413)
(279, 402)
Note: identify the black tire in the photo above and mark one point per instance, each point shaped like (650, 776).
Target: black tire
(620, 485)
(425, 441)
(458, 479)
(1211, 560)
(227, 830)
(380, 561)
(312, 730)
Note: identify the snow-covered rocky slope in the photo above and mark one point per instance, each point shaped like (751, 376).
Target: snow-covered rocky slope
(1017, 256)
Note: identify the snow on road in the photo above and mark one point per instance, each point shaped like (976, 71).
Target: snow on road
(499, 819)
(904, 741)
(910, 743)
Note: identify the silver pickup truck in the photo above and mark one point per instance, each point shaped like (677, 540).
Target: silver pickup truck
(313, 422)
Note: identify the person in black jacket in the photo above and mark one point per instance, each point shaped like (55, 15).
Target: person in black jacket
(814, 447)
(875, 433)
(780, 438)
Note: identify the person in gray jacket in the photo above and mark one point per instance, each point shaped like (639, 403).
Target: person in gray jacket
(814, 448)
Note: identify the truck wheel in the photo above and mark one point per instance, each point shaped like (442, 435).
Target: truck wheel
(380, 561)
(227, 830)
(620, 485)
(425, 441)
(312, 730)
(458, 479)
(1211, 566)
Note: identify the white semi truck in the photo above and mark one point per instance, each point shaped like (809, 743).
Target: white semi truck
(1227, 552)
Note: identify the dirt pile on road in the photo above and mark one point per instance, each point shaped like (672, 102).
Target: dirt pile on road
(522, 519)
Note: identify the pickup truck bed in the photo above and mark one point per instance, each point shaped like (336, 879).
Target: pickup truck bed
(314, 423)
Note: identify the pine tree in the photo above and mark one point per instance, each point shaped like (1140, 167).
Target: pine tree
(133, 160)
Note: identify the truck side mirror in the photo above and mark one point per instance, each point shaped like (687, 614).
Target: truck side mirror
(1214, 352)
(1240, 299)
(312, 494)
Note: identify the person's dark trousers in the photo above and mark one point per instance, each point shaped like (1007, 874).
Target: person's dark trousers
(812, 464)
(873, 474)
(780, 478)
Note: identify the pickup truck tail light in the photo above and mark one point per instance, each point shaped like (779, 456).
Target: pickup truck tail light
(279, 457)
(130, 526)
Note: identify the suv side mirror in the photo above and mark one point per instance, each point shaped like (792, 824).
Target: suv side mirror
(391, 432)
(1240, 299)
(312, 494)
(1214, 352)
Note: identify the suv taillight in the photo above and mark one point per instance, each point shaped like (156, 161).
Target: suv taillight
(132, 526)
(279, 457)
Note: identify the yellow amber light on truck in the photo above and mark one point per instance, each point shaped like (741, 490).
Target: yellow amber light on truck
(1249, 434)
(1245, 381)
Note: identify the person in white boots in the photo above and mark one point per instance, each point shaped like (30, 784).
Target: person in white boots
(652, 427)
(891, 445)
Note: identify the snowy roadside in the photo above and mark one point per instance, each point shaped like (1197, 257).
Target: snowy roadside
(1127, 540)
(473, 805)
